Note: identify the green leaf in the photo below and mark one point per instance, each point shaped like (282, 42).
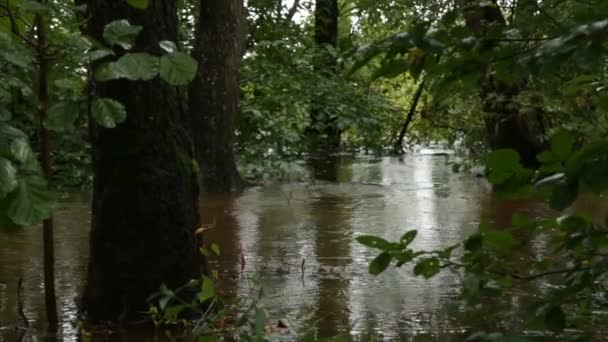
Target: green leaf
(32, 202)
(207, 290)
(408, 237)
(108, 113)
(563, 196)
(380, 263)
(427, 268)
(376, 242)
(562, 144)
(177, 68)
(215, 248)
(260, 324)
(595, 176)
(21, 150)
(555, 319)
(139, 4)
(392, 68)
(501, 241)
(502, 165)
(168, 46)
(96, 55)
(121, 33)
(62, 115)
(34, 7)
(473, 243)
(8, 177)
(5, 114)
(136, 66)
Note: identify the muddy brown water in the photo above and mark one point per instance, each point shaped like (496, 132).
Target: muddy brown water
(266, 233)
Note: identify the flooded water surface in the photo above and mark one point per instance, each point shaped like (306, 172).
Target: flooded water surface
(296, 242)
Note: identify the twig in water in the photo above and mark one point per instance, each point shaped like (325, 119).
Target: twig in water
(23, 323)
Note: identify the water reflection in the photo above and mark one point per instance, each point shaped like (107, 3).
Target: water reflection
(265, 233)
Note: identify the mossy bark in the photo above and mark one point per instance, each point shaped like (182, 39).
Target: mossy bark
(145, 195)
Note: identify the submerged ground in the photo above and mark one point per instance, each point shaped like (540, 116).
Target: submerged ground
(266, 233)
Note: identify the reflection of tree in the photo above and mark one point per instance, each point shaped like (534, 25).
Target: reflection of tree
(332, 243)
(218, 214)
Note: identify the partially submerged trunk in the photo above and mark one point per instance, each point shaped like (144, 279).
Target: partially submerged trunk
(214, 93)
(145, 193)
(323, 133)
(398, 147)
(506, 125)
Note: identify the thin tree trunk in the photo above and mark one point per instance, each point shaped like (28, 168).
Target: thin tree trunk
(45, 160)
(398, 147)
(214, 93)
(145, 195)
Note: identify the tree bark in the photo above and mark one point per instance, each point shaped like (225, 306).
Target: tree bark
(45, 160)
(214, 93)
(145, 196)
(506, 126)
(323, 133)
(398, 147)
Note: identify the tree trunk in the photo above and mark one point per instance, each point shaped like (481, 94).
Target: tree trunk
(214, 93)
(145, 193)
(506, 126)
(398, 147)
(323, 133)
(45, 160)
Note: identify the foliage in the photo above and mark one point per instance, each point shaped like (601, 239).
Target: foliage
(489, 259)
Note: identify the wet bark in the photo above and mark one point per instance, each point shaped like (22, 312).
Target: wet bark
(398, 147)
(323, 133)
(145, 194)
(506, 125)
(45, 160)
(214, 93)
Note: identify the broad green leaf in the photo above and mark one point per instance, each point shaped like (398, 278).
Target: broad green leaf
(32, 202)
(260, 324)
(8, 177)
(376, 242)
(62, 115)
(562, 144)
(499, 240)
(96, 55)
(5, 114)
(215, 248)
(408, 237)
(21, 150)
(473, 243)
(563, 196)
(168, 46)
(392, 68)
(502, 165)
(121, 33)
(595, 175)
(207, 290)
(177, 68)
(427, 268)
(139, 4)
(136, 67)
(380, 263)
(108, 113)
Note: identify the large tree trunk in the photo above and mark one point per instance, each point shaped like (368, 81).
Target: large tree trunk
(506, 126)
(214, 93)
(323, 133)
(145, 193)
